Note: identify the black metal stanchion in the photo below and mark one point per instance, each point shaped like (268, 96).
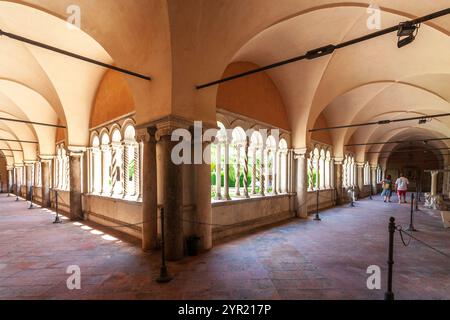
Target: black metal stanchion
(57, 219)
(411, 218)
(17, 194)
(164, 274)
(352, 197)
(371, 192)
(31, 198)
(417, 200)
(389, 295)
(317, 217)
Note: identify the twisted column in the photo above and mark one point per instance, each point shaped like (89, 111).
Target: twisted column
(275, 171)
(254, 171)
(226, 191)
(126, 168)
(262, 173)
(218, 171)
(137, 169)
(237, 184)
(246, 170)
(113, 169)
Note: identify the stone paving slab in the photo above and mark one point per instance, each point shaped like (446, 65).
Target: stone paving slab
(297, 259)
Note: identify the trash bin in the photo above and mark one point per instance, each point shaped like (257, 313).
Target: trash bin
(192, 245)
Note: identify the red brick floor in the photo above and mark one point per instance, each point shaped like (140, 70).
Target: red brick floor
(299, 259)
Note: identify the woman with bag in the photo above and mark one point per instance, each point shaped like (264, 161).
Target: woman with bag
(387, 188)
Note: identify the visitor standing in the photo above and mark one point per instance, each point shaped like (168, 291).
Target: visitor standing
(387, 186)
(401, 185)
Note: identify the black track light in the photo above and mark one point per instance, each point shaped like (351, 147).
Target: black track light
(407, 32)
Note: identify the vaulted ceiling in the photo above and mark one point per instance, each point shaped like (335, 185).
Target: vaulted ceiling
(182, 44)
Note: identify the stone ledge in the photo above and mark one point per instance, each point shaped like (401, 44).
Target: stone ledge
(112, 199)
(221, 203)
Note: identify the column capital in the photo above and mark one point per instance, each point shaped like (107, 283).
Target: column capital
(45, 157)
(360, 164)
(29, 162)
(76, 151)
(434, 172)
(145, 134)
(300, 152)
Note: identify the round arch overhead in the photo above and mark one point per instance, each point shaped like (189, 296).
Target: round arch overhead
(25, 104)
(75, 82)
(19, 156)
(308, 87)
(404, 134)
(385, 100)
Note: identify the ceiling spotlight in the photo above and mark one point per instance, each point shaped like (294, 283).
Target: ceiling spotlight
(423, 121)
(407, 32)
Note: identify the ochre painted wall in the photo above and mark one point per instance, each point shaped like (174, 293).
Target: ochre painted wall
(321, 136)
(113, 99)
(255, 96)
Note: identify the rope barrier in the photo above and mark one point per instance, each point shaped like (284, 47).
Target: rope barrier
(401, 231)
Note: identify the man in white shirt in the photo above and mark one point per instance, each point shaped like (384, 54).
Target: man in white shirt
(402, 186)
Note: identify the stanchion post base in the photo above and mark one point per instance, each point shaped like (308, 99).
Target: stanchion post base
(57, 220)
(163, 276)
(389, 296)
(317, 218)
(411, 228)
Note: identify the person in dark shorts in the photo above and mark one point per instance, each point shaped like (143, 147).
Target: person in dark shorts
(387, 188)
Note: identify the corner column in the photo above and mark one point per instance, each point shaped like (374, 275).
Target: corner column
(172, 192)
(360, 176)
(301, 184)
(373, 179)
(46, 180)
(338, 180)
(76, 184)
(146, 137)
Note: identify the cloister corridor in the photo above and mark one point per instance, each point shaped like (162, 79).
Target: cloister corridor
(296, 259)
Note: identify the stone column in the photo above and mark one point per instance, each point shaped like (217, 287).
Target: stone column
(373, 179)
(105, 172)
(226, 174)
(246, 146)
(203, 210)
(434, 181)
(288, 172)
(237, 184)
(338, 180)
(445, 181)
(146, 137)
(280, 172)
(275, 163)
(138, 168)
(172, 194)
(46, 181)
(10, 180)
(360, 176)
(218, 171)
(301, 183)
(126, 168)
(254, 171)
(262, 173)
(28, 177)
(17, 174)
(76, 188)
